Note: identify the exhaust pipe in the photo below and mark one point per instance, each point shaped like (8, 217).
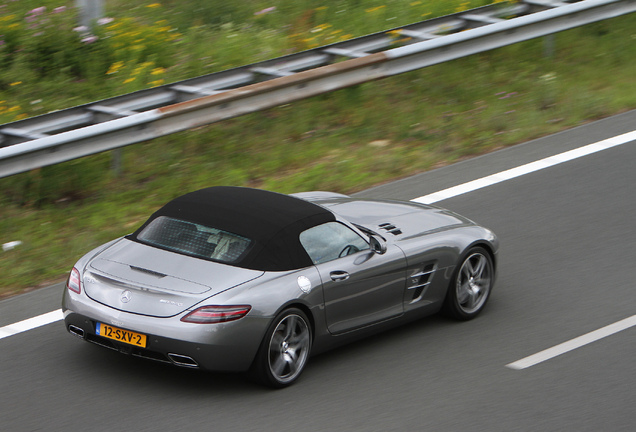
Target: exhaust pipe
(182, 360)
(77, 331)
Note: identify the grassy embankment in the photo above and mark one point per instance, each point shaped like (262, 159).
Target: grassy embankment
(344, 141)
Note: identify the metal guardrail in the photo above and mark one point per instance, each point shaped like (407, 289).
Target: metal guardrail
(112, 123)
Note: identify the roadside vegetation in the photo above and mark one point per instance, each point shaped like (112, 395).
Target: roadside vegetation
(344, 141)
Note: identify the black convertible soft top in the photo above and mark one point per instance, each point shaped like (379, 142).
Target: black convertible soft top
(272, 221)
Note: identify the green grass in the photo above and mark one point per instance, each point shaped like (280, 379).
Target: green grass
(345, 141)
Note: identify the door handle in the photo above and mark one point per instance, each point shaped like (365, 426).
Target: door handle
(339, 276)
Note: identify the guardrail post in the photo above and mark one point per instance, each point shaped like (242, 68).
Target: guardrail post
(548, 46)
(116, 161)
(90, 11)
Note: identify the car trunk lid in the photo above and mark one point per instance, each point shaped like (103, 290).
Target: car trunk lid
(144, 280)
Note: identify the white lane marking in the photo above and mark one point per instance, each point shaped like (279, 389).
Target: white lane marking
(53, 316)
(31, 323)
(573, 344)
(526, 169)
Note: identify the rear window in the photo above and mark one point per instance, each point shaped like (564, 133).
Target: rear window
(194, 239)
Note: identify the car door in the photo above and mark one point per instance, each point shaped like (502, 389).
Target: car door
(360, 286)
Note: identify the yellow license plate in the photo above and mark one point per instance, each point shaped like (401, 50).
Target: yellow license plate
(121, 335)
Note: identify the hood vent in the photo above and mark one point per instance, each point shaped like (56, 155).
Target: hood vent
(388, 227)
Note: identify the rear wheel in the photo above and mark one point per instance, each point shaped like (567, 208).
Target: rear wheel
(285, 349)
(471, 285)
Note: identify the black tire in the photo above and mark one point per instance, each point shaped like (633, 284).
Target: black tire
(284, 350)
(470, 285)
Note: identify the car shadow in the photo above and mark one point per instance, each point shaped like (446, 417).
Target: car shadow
(118, 369)
(129, 371)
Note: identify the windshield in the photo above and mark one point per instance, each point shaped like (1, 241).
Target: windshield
(194, 239)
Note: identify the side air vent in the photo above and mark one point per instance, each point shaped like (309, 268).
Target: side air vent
(420, 280)
(390, 228)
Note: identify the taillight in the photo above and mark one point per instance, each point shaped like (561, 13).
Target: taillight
(74, 282)
(216, 314)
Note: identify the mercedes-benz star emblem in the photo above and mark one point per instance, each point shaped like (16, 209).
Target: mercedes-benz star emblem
(125, 296)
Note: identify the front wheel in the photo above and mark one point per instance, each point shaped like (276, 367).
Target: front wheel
(285, 349)
(471, 285)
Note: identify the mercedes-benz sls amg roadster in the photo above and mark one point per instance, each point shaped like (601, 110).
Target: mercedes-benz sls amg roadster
(239, 279)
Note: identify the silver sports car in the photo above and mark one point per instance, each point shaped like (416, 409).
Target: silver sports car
(238, 279)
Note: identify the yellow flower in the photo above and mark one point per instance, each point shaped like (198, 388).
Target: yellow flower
(157, 71)
(114, 68)
(462, 7)
(16, 83)
(321, 8)
(154, 5)
(115, 26)
(375, 9)
(129, 80)
(14, 108)
(157, 83)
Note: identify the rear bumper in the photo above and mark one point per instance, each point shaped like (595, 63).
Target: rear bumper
(228, 346)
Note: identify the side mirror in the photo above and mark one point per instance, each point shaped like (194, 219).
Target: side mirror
(378, 244)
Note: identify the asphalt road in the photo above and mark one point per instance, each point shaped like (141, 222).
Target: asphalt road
(566, 269)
